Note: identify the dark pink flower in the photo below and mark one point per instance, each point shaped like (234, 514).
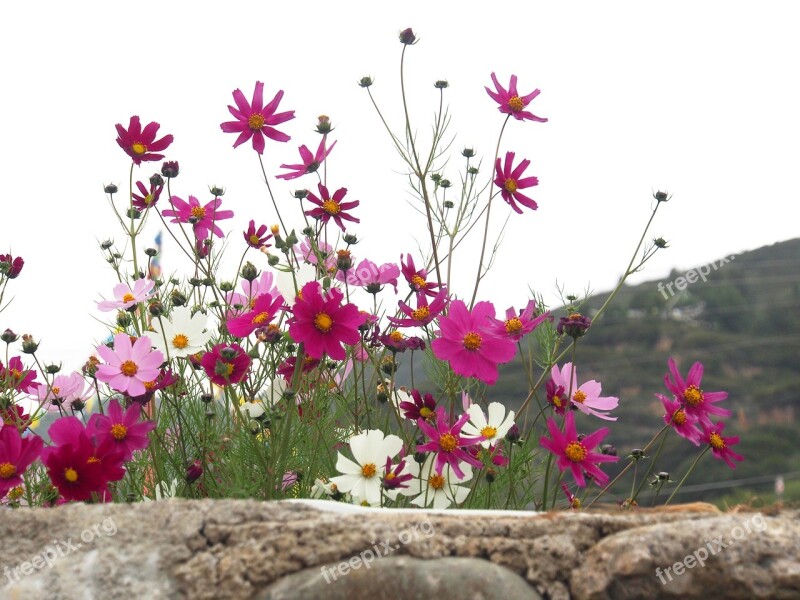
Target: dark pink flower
(257, 238)
(417, 278)
(11, 267)
(370, 276)
(557, 396)
(146, 198)
(697, 403)
(469, 343)
(322, 324)
(423, 314)
(511, 103)
(576, 455)
(720, 446)
(265, 308)
(682, 422)
(226, 363)
(203, 218)
(123, 428)
(17, 377)
(311, 162)
(287, 368)
(256, 120)
(140, 144)
(448, 444)
(16, 455)
(331, 207)
(515, 326)
(509, 182)
(420, 408)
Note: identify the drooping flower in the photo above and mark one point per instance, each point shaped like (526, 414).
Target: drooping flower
(129, 365)
(141, 144)
(181, 334)
(11, 267)
(226, 363)
(575, 325)
(146, 197)
(682, 422)
(127, 296)
(397, 478)
(515, 325)
(265, 309)
(508, 180)
(576, 455)
(468, 342)
(371, 276)
(17, 377)
(492, 428)
(16, 455)
(322, 323)
(287, 368)
(415, 406)
(362, 478)
(424, 313)
(721, 446)
(14, 415)
(448, 443)
(417, 278)
(696, 402)
(122, 427)
(586, 397)
(254, 120)
(331, 207)
(556, 396)
(511, 103)
(204, 219)
(256, 238)
(311, 162)
(441, 489)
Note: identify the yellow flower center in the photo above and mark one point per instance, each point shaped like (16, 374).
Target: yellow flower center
(390, 476)
(513, 325)
(228, 370)
(148, 199)
(260, 318)
(510, 185)
(557, 401)
(679, 417)
(198, 212)
(255, 122)
(255, 240)
(448, 442)
(579, 396)
(323, 322)
(119, 432)
(575, 451)
(716, 441)
(128, 368)
(138, 148)
(7, 470)
(516, 103)
(436, 481)
(488, 432)
(149, 385)
(56, 390)
(396, 336)
(128, 297)
(472, 341)
(418, 281)
(331, 207)
(423, 312)
(368, 470)
(70, 475)
(693, 395)
(180, 341)
(575, 316)
(425, 412)
(93, 460)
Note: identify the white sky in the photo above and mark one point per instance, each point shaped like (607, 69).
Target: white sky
(699, 98)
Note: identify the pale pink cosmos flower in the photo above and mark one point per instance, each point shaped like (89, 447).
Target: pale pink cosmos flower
(129, 365)
(586, 397)
(65, 391)
(311, 162)
(127, 296)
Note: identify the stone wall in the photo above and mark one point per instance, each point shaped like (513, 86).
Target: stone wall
(246, 549)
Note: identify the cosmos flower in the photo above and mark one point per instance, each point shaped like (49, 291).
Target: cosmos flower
(256, 121)
(492, 428)
(127, 296)
(17, 377)
(256, 238)
(363, 477)
(682, 422)
(448, 443)
(122, 427)
(141, 144)
(65, 392)
(225, 364)
(585, 397)
(696, 402)
(265, 309)
(508, 180)
(146, 198)
(423, 314)
(440, 489)
(414, 406)
(331, 207)
(311, 162)
(11, 267)
(417, 278)
(370, 276)
(556, 396)
(516, 326)
(511, 103)
(16, 455)
(721, 446)
(204, 219)
(129, 365)
(181, 334)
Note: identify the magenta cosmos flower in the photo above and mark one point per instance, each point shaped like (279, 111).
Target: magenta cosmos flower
(515, 326)
(127, 296)
(226, 364)
(448, 443)
(576, 455)
(11, 267)
(423, 314)
(322, 324)
(417, 278)
(265, 308)
(17, 377)
(141, 144)
(256, 120)
(122, 427)
(257, 238)
(203, 218)
(129, 366)
(676, 417)
(146, 198)
(311, 162)
(697, 403)
(370, 276)
(586, 397)
(469, 342)
(331, 207)
(16, 455)
(509, 182)
(511, 103)
(720, 446)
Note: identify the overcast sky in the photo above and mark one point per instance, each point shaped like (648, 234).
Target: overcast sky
(699, 98)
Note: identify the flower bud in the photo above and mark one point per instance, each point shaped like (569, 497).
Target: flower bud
(513, 436)
(472, 170)
(324, 125)
(9, 336)
(574, 325)
(195, 281)
(133, 213)
(111, 189)
(468, 152)
(155, 308)
(407, 37)
(273, 260)
(89, 368)
(228, 353)
(216, 191)
(350, 239)
(52, 369)
(490, 475)
(249, 271)
(106, 244)
(365, 82)
(445, 183)
(660, 243)
(194, 470)
(441, 84)
(343, 260)
(177, 298)
(151, 252)
(170, 169)
(662, 196)
(156, 180)
(123, 318)
(226, 286)
(300, 195)
(448, 204)
(608, 449)
(206, 398)
(28, 345)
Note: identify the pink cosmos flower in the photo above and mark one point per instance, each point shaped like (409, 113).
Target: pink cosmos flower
(720, 446)
(511, 103)
(586, 397)
(423, 314)
(311, 162)
(265, 308)
(574, 454)
(146, 198)
(256, 120)
(16, 455)
(129, 366)
(417, 278)
(509, 182)
(321, 322)
(556, 396)
(238, 302)
(17, 377)
(469, 343)
(122, 427)
(516, 325)
(11, 267)
(126, 297)
(370, 276)
(448, 444)
(226, 364)
(683, 423)
(140, 144)
(697, 403)
(203, 218)
(419, 407)
(331, 207)
(256, 238)
(65, 392)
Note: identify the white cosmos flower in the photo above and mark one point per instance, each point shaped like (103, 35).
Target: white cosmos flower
(494, 428)
(362, 478)
(269, 396)
(286, 281)
(180, 335)
(439, 490)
